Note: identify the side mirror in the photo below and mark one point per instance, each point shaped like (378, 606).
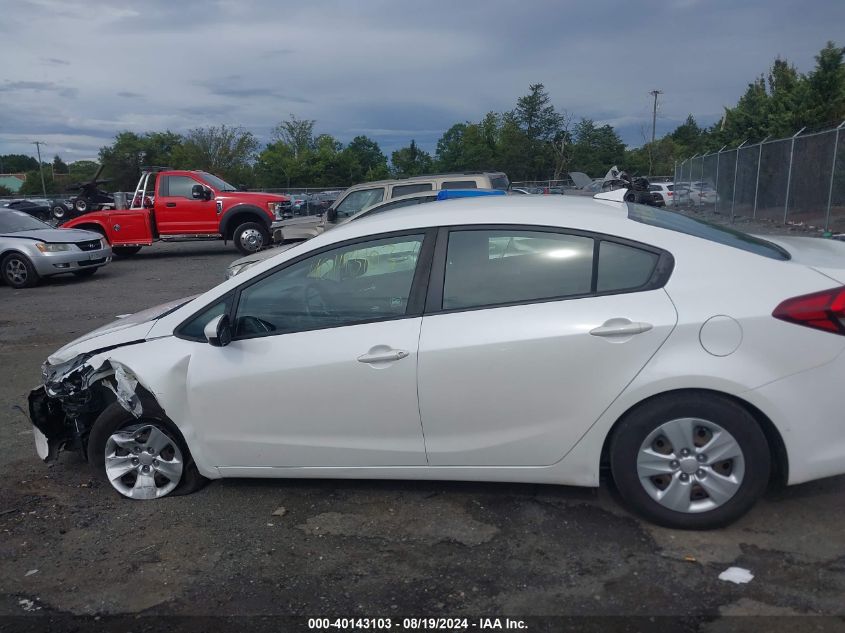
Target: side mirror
(331, 215)
(218, 331)
(198, 192)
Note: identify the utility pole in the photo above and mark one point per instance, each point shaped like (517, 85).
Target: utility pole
(654, 93)
(38, 145)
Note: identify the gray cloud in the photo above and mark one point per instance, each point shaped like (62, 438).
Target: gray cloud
(393, 71)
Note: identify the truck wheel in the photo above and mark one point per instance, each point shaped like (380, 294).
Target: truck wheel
(125, 251)
(251, 237)
(59, 211)
(18, 271)
(81, 205)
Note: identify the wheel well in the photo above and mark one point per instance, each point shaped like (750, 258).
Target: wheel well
(239, 218)
(780, 459)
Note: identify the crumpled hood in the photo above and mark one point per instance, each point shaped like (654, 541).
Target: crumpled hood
(130, 329)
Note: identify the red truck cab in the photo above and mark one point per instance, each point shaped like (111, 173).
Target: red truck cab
(185, 205)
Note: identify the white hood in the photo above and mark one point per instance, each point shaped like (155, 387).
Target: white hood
(134, 327)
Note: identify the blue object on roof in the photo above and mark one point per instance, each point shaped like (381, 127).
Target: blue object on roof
(450, 194)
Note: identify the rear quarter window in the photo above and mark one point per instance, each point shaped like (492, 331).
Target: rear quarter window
(671, 221)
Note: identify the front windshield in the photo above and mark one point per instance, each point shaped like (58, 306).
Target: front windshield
(217, 183)
(16, 221)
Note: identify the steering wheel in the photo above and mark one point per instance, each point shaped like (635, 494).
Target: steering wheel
(314, 302)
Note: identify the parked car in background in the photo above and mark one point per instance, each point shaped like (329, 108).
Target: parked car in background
(239, 265)
(663, 192)
(696, 193)
(39, 208)
(534, 339)
(31, 249)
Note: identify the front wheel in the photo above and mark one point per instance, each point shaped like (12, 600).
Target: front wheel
(59, 211)
(18, 271)
(125, 251)
(141, 458)
(250, 237)
(690, 460)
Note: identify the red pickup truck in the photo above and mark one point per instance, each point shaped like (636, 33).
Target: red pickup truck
(185, 205)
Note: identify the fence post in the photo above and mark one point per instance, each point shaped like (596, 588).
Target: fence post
(757, 182)
(789, 173)
(736, 169)
(716, 184)
(832, 175)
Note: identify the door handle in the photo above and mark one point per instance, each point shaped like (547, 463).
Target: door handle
(383, 356)
(170, 204)
(620, 327)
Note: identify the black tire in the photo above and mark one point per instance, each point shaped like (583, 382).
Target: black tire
(59, 212)
(633, 429)
(252, 229)
(113, 418)
(18, 271)
(81, 205)
(125, 251)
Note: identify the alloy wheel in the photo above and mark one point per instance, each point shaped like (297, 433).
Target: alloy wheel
(252, 240)
(690, 465)
(143, 462)
(16, 272)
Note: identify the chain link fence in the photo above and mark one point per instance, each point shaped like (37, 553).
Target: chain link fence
(795, 180)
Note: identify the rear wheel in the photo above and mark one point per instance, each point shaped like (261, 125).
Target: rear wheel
(251, 237)
(691, 461)
(142, 458)
(125, 251)
(81, 205)
(59, 211)
(18, 271)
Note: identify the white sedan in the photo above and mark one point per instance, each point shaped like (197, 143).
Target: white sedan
(526, 339)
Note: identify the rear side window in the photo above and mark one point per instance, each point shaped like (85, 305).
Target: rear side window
(459, 184)
(623, 267)
(500, 182)
(704, 230)
(491, 267)
(404, 190)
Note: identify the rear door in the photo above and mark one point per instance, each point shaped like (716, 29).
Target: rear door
(524, 344)
(178, 213)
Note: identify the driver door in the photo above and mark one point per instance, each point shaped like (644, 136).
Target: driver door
(322, 371)
(177, 212)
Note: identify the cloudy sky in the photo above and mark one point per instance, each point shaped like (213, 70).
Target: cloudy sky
(75, 72)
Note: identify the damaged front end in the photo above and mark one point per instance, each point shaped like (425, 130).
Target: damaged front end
(74, 393)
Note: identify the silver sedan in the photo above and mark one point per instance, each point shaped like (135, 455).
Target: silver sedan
(31, 249)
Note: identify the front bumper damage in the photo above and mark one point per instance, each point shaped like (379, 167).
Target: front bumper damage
(74, 393)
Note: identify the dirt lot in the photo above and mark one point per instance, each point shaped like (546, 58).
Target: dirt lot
(70, 545)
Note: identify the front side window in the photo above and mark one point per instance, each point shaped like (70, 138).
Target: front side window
(494, 267)
(180, 186)
(358, 200)
(352, 284)
(195, 328)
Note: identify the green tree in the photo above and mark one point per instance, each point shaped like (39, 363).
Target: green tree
(365, 161)
(59, 166)
(224, 151)
(17, 163)
(32, 184)
(826, 86)
(411, 161)
(82, 170)
(596, 149)
(298, 134)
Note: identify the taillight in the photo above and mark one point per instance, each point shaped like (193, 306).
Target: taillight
(669, 193)
(823, 310)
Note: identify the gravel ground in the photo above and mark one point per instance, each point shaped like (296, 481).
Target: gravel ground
(70, 545)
